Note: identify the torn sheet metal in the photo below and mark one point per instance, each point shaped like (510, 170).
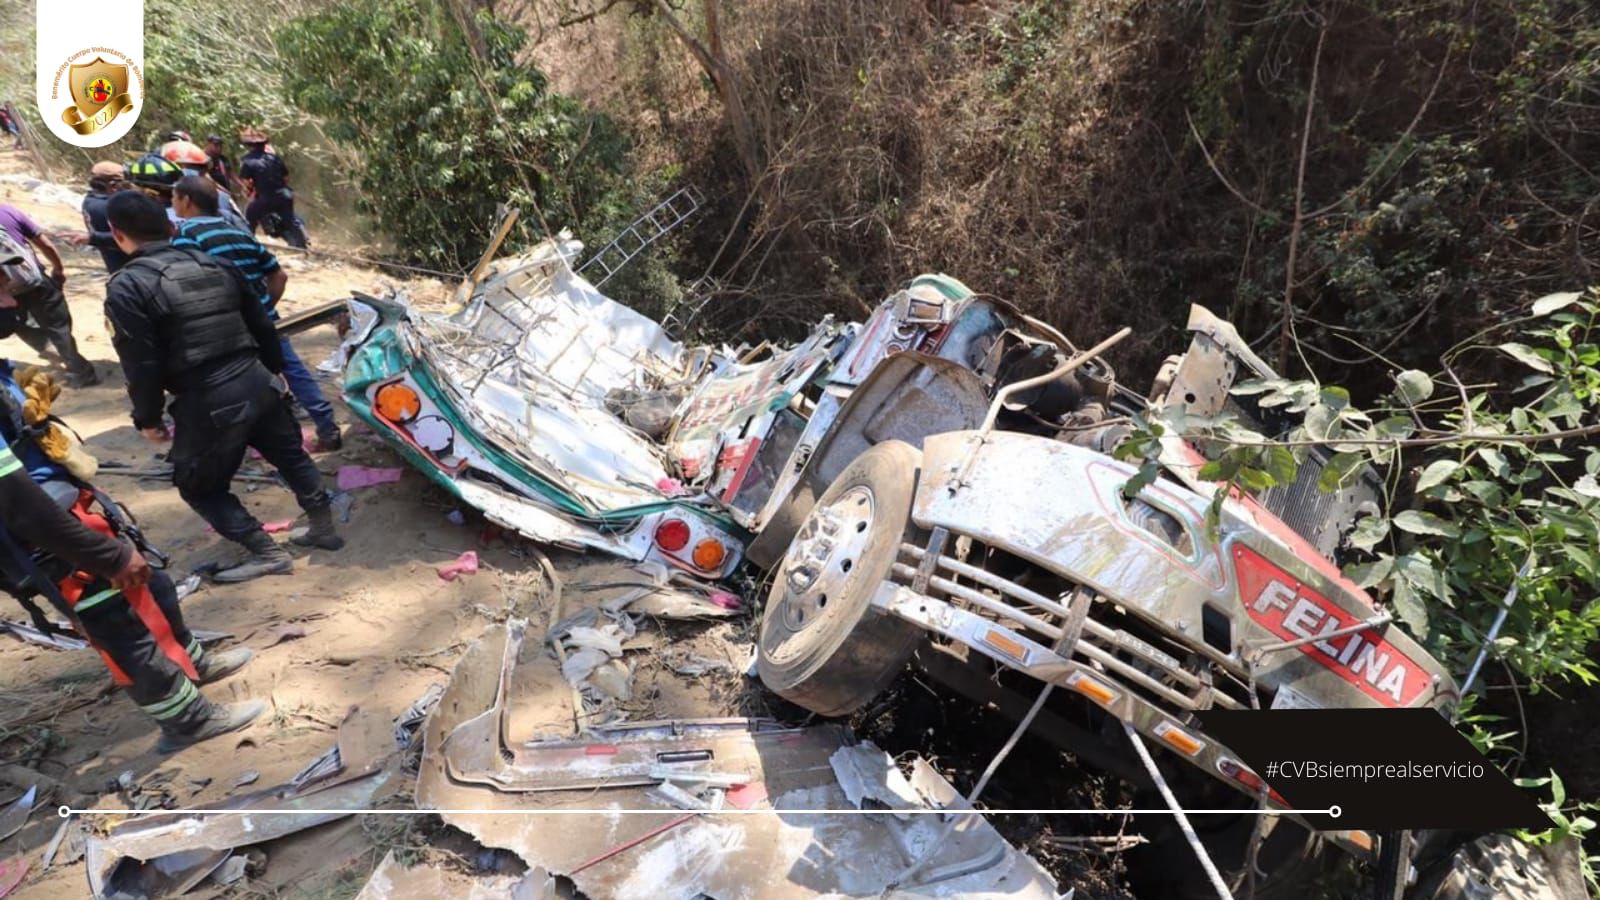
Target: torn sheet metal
(66, 640)
(16, 815)
(669, 852)
(429, 881)
(128, 846)
(866, 773)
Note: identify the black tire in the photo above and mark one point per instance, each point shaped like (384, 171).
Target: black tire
(822, 645)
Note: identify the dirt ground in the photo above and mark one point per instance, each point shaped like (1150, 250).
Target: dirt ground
(379, 625)
(374, 626)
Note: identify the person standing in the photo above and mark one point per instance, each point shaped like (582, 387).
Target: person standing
(190, 325)
(37, 295)
(267, 177)
(56, 544)
(200, 225)
(221, 168)
(154, 175)
(193, 161)
(105, 179)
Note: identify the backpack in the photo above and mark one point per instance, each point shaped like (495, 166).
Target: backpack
(22, 276)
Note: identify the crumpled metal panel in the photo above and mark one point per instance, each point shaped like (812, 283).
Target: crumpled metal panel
(1060, 506)
(667, 852)
(152, 838)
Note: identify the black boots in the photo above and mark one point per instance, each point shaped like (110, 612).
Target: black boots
(320, 533)
(266, 558)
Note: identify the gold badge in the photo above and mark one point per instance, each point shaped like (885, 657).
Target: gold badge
(99, 94)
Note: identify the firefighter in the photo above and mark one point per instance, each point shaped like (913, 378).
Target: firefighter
(188, 324)
(63, 540)
(194, 161)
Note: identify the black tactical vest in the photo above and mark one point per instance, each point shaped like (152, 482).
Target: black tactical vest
(197, 306)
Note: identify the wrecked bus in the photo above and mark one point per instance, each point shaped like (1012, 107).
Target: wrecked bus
(938, 478)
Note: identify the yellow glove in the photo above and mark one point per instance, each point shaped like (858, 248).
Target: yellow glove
(58, 443)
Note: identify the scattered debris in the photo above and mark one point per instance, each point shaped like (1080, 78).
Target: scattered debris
(681, 770)
(166, 846)
(65, 640)
(426, 881)
(16, 815)
(188, 585)
(695, 665)
(455, 517)
(465, 564)
(352, 478)
(247, 777)
(232, 870)
(867, 773)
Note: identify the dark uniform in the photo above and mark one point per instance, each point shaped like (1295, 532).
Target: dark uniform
(94, 220)
(189, 325)
(269, 178)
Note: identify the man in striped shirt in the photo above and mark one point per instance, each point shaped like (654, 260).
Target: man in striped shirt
(195, 200)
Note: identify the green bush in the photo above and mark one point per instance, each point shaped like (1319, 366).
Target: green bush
(446, 124)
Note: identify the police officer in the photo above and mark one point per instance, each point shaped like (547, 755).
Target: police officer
(54, 543)
(186, 324)
(265, 173)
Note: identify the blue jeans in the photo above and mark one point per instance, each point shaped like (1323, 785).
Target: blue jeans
(306, 390)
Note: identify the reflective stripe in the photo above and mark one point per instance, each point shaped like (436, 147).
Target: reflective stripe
(8, 461)
(94, 600)
(195, 651)
(174, 705)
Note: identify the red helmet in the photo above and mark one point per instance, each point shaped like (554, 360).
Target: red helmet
(184, 153)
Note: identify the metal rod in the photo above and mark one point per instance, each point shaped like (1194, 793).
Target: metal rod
(1012, 589)
(1177, 813)
(1499, 621)
(1086, 649)
(1374, 622)
(1052, 375)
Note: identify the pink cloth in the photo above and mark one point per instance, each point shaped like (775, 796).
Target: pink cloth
(465, 564)
(726, 600)
(352, 477)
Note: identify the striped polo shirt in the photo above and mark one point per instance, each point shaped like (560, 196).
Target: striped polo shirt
(215, 237)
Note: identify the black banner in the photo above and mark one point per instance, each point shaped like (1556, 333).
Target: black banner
(1385, 769)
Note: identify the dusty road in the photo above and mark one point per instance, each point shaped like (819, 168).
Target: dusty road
(379, 626)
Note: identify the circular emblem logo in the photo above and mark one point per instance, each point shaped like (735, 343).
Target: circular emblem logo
(99, 90)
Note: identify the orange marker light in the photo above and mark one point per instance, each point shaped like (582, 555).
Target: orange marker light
(1006, 644)
(709, 554)
(1360, 839)
(397, 403)
(1179, 740)
(1092, 688)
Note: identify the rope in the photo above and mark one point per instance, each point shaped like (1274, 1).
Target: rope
(1177, 814)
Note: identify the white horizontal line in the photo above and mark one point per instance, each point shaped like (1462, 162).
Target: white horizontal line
(64, 812)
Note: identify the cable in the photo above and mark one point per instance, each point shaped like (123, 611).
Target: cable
(1177, 814)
